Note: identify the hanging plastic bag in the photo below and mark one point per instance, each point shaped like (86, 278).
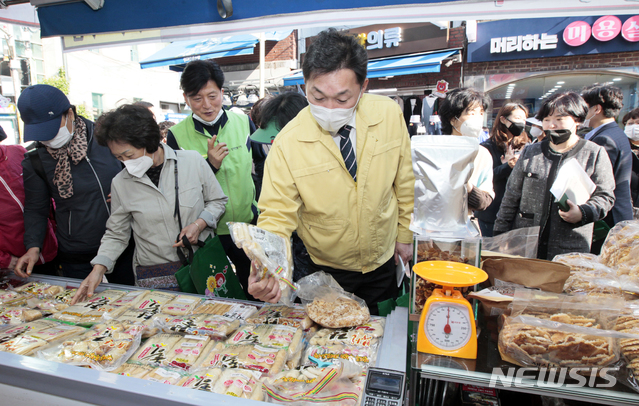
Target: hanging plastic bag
(521, 242)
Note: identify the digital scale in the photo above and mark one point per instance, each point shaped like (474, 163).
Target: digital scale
(447, 322)
(384, 387)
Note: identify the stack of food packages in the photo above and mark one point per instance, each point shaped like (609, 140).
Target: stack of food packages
(456, 250)
(274, 353)
(594, 324)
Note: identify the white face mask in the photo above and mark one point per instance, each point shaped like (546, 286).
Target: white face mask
(472, 127)
(333, 119)
(209, 123)
(586, 122)
(632, 131)
(137, 167)
(62, 138)
(536, 132)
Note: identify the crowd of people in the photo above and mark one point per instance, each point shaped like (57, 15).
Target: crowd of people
(332, 170)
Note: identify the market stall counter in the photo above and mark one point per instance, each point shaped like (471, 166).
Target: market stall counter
(28, 380)
(430, 375)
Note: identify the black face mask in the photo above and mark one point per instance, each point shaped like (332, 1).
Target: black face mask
(516, 128)
(558, 136)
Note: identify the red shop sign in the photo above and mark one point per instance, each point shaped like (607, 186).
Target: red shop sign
(606, 28)
(577, 33)
(630, 29)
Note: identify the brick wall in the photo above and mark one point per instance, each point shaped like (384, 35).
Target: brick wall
(457, 37)
(563, 63)
(284, 50)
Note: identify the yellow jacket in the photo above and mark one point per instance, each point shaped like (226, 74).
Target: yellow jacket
(307, 188)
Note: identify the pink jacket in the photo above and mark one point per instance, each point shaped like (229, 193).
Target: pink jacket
(12, 203)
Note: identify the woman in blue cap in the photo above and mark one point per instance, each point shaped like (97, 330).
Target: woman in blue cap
(69, 167)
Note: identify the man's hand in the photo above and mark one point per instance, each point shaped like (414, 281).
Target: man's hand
(88, 285)
(267, 289)
(217, 152)
(403, 251)
(26, 262)
(573, 215)
(192, 232)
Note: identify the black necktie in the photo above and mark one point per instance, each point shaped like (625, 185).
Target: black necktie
(346, 147)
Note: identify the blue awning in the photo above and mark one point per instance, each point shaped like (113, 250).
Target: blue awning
(181, 52)
(397, 66)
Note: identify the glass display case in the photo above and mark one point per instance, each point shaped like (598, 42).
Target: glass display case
(429, 248)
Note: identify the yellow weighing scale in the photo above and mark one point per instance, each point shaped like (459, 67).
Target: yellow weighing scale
(447, 323)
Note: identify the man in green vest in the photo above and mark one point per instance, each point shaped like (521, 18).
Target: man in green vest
(221, 137)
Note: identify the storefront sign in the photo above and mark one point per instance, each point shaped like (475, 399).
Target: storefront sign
(552, 37)
(382, 40)
(390, 37)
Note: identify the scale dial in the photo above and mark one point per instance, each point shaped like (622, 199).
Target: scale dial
(448, 326)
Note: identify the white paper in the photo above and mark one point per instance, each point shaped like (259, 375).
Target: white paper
(401, 271)
(574, 182)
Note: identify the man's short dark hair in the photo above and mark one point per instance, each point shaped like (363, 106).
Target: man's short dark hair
(198, 73)
(143, 103)
(332, 51)
(458, 100)
(564, 104)
(282, 108)
(129, 124)
(610, 98)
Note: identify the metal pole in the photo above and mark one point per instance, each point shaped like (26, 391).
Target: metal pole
(262, 62)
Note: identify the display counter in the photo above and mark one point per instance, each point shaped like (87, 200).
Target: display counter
(430, 373)
(29, 381)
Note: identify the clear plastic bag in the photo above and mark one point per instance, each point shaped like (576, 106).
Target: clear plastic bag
(240, 383)
(268, 361)
(41, 290)
(102, 351)
(628, 322)
(364, 335)
(200, 324)
(589, 276)
(329, 385)
(329, 305)
(284, 315)
(521, 242)
(272, 253)
(203, 380)
(621, 249)
(167, 376)
(186, 352)
(270, 335)
(181, 305)
(240, 311)
(134, 371)
(155, 350)
(21, 314)
(335, 353)
(13, 298)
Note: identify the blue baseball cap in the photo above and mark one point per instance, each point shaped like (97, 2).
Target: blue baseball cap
(41, 107)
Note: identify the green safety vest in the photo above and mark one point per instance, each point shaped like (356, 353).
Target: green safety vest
(235, 173)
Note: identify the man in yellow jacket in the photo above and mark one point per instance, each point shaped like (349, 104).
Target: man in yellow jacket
(340, 174)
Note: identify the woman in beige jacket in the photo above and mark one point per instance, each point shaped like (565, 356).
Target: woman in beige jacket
(143, 198)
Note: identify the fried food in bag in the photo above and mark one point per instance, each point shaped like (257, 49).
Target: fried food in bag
(621, 249)
(240, 383)
(363, 335)
(253, 357)
(284, 315)
(328, 305)
(272, 253)
(240, 311)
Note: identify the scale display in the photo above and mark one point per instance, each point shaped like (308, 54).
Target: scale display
(448, 325)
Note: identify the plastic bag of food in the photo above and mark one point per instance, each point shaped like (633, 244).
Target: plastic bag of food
(187, 351)
(22, 345)
(309, 385)
(141, 317)
(203, 380)
(134, 371)
(66, 296)
(153, 300)
(167, 376)
(240, 383)
(155, 350)
(181, 305)
(284, 315)
(130, 297)
(240, 311)
(328, 305)
(13, 298)
(335, 353)
(200, 324)
(19, 315)
(49, 305)
(270, 335)
(621, 249)
(113, 330)
(364, 335)
(254, 357)
(55, 333)
(530, 341)
(102, 354)
(272, 253)
(628, 322)
(40, 289)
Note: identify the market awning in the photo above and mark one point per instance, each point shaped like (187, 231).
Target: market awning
(397, 66)
(179, 53)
